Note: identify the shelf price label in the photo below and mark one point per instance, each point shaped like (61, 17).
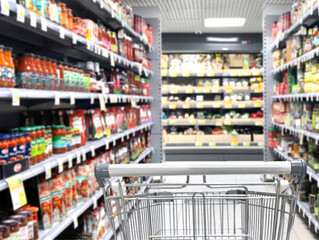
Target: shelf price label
(17, 191)
(172, 121)
(234, 142)
(173, 91)
(201, 121)
(72, 99)
(211, 74)
(200, 105)
(92, 99)
(215, 90)
(44, 24)
(229, 89)
(258, 123)
(75, 221)
(48, 172)
(198, 144)
(172, 106)
(102, 102)
(192, 121)
(92, 151)
(206, 91)
(173, 75)
(228, 105)
(60, 165)
(186, 74)
(70, 162)
(257, 103)
(201, 74)
(78, 157)
(20, 13)
(212, 144)
(247, 144)
(188, 91)
(216, 105)
(74, 38)
(219, 124)
(233, 74)
(227, 123)
(33, 19)
(15, 97)
(83, 155)
(241, 106)
(112, 59)
(5, 8)
(199, 90)
(62, 33)
(164, 74)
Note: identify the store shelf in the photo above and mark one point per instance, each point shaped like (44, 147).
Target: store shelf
(308, 19)
(206, 90)
(53, 161)
(109, 234)
(108, 17)
(297, 97)
(298, 132)
(221, 73)
(215, 145)
(49, 94)
(294, 63)
(55, 32)
(312, 174)
(145, 153)
(212, 104)
(213, 122)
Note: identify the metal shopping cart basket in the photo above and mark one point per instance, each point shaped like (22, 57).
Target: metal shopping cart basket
(189, 211)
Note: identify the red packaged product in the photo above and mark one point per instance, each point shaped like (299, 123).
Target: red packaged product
(76, 119)
(57, 188)
(45, 204)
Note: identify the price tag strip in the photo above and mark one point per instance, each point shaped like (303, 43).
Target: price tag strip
(17, 191)
(5, 8)
(15, 97)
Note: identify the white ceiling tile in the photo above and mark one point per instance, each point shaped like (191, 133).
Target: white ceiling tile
(189, 15)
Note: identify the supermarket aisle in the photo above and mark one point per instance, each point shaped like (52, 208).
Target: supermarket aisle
(300, 230)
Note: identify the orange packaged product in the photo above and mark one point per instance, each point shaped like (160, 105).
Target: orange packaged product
(67, 179)
(55, 80)
(70, 18)
(3, 81)
(75, 185)
(52, 74)
(38, 69)
(76, 25)
(45, 204)
(45, 72)
(60, 75)
(64, 15)
(9, 70)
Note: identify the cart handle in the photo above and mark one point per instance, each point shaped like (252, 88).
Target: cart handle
(296, 168)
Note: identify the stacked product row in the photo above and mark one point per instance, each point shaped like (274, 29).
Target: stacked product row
(59, 13)
(38, 72)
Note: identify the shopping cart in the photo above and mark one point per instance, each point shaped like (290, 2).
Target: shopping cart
(183, 211)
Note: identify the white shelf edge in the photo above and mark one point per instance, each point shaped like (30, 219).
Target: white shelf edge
(298, 96)
(39, 168)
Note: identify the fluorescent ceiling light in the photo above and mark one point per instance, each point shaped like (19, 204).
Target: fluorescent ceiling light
(224, 22)
(225, 49)
(219, 39)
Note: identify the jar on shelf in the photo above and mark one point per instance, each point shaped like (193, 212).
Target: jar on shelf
(13, 227)
(59, 139)
(64, 15)
(23, 224)
(5, 231)
(70, 19)
(3, 81)
(69, 138)
(9, 70)
(28, 214)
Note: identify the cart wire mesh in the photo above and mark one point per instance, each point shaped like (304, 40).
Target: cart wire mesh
(221, 212)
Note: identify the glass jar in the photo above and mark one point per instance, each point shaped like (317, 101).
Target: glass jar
(34, 211)
(69, 138)
(28, 214)
(38, 143)
(23, 225)
(13, 227)
(64, 15)
(4, 156)
(5, 231)
(78, 141)
(59, 139)
(70, 18)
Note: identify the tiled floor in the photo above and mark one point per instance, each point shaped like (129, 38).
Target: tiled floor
(300, 230)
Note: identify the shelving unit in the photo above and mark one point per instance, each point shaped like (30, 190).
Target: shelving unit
(271, 14)
(44, 37)
(66, 42)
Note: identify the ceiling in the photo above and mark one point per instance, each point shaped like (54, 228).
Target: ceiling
(189, 15)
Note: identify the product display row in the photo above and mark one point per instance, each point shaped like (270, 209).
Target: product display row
(205, 63)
